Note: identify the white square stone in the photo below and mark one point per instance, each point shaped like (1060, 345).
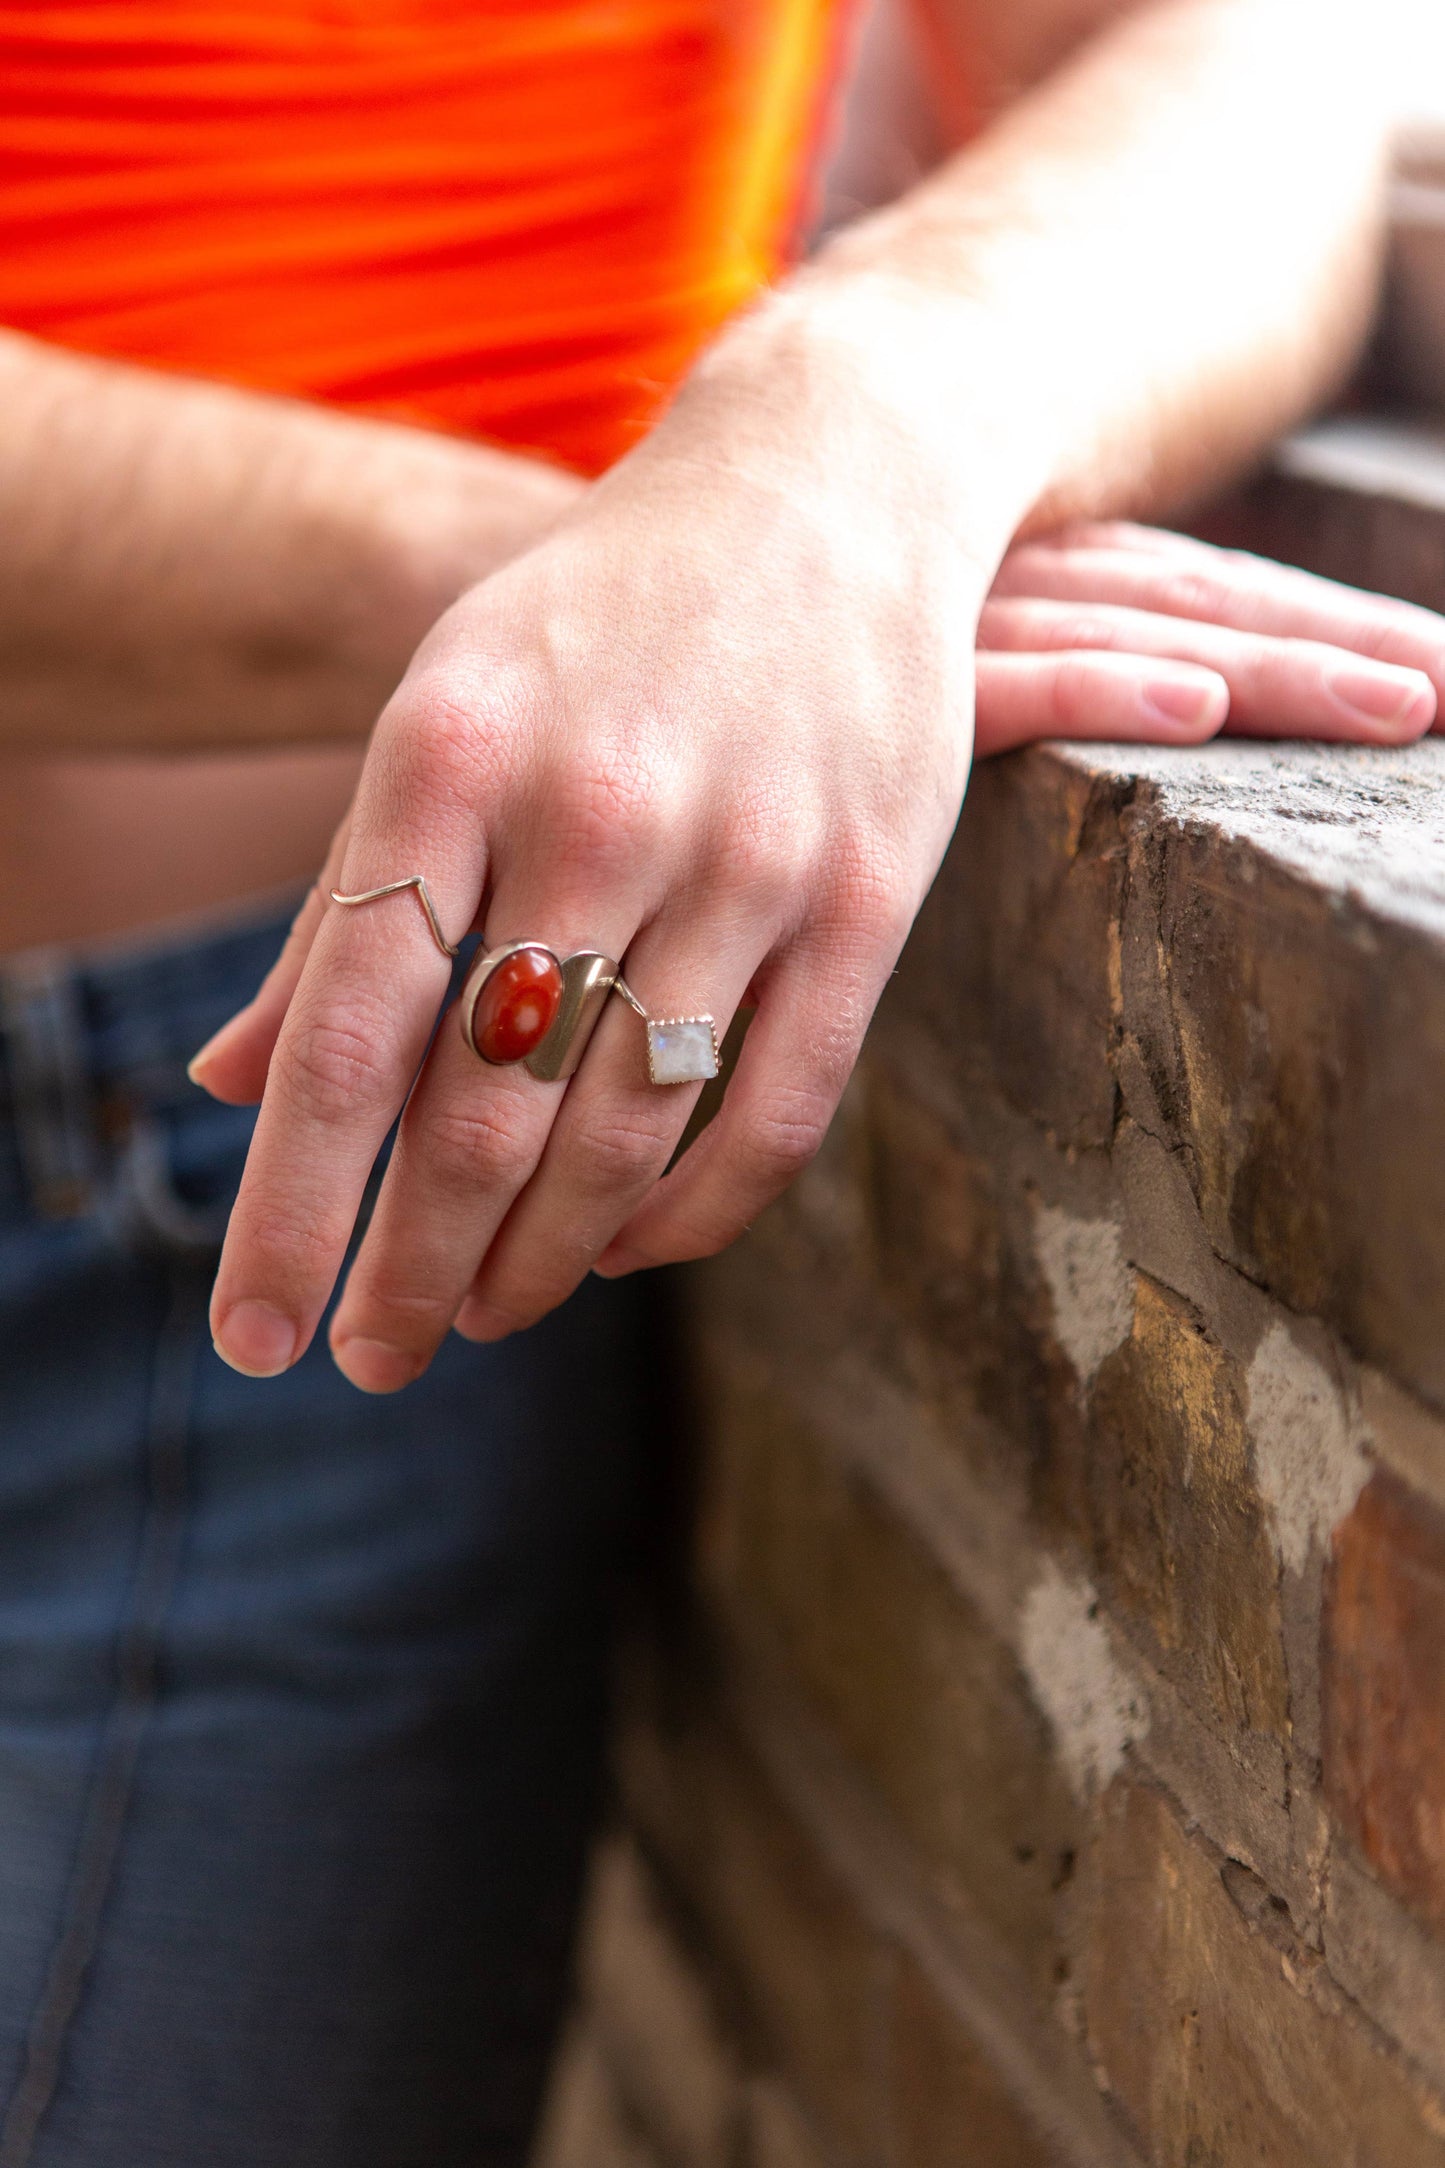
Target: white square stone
(681, 1049)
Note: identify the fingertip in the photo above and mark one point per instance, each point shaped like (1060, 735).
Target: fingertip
(1425, 716)
(374, 1366)
(479, 1322)
(1192, 704)
(202, 1062)
(233, 1086)
(1389, 704)
(256, 1338)
(207, 1066)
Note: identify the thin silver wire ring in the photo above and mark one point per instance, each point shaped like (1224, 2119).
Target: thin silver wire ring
(394, 888)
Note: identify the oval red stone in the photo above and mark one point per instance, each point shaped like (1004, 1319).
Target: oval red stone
(517, 1005)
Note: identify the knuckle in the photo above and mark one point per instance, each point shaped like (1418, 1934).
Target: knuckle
(856, 852)
(761, 857)
(486, 1144)
(1198, 595)
(782, 1135)
(334, 1066)
(607, 810)
(449, 744)
(870, 890)
(1091, 629)
(288, 1246)
(617, 1150)
(402, 1315)
(1073, 693)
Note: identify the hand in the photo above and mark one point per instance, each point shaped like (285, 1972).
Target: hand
(720, 727)
(1113, 631)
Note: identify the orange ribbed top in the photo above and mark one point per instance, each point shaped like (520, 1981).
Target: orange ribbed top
(514, 218)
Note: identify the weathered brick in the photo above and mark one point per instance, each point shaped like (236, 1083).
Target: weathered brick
(1385, 1958)
(777, 2133)
(949, 2105)
(931, 1705)
(959, 1271)
(936, 1221)
(805, 1973)
(652, 2015)
(1014, 960)
(1404, 1434)
(1181, 1536)
(1214, 2033)
(1320, 1166)
(1384, 1688)
(586, 2124)
(956, 1307)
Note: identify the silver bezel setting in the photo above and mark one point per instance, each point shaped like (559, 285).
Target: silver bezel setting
(663, 1023)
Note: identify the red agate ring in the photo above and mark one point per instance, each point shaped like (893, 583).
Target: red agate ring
(521, 1002)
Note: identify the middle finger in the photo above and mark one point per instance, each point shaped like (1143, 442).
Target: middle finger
(470, 1137)
(616, 1130)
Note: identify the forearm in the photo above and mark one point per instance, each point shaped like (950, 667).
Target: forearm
(1152, 262)
(183, 565)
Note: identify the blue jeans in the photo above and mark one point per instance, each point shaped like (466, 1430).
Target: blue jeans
(300, 1692)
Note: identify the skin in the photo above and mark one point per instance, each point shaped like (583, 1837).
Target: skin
(205, 599)
(719, 721)
(206, 596)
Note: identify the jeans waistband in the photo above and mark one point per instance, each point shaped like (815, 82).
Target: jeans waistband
(92, 1041)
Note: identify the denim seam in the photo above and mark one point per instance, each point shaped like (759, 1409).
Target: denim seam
(137, 1674)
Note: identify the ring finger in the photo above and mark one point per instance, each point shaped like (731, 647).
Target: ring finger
(469, 1139)
(616, 1130)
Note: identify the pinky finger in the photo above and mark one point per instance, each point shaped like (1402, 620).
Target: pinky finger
(1089, 693)
(798, 1055)
(232, 1066)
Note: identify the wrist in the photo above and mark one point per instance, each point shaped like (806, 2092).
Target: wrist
(913, 393)
(462, 511)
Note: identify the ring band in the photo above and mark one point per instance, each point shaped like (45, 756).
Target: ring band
(522, 1003)
(395, 888)
(680, 1049)
(540, 1016)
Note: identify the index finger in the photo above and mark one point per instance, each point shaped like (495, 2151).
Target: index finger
(352, 1042)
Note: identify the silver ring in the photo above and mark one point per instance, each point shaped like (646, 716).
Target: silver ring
(544, 1017)
(544, 1013)
(551, 1011)
(394, 888)
(680, 1049)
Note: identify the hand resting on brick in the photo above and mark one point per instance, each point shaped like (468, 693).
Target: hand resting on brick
(718, 722)
(1113, 631)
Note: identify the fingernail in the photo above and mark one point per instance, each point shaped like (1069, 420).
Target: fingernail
(207, 1053)
(1380, 697)
(1181, 706)
(374, 1366)
(256, 1339)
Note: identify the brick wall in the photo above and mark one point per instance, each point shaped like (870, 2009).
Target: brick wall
(1044, 1761)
